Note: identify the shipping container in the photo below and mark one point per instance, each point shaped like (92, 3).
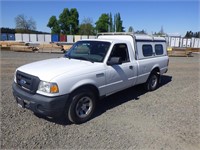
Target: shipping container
(184, 42)
(25, 38)
(63, 38)
(33, 38)
(177, 42)
(192, 42)
(172, 44)
(196, 43)
(189, 43)
(92, 37)
(40, 38)
(4, 37)
(54, 38)
(84, 37)
(70, 39)
(169, 41)
(181, 42)
(77, 38)
(11, 37)
(47, 38)
(18, 37)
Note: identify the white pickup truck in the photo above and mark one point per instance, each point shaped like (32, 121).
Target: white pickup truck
(90, 70)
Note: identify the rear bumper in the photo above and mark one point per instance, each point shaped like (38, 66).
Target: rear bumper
(48, 106)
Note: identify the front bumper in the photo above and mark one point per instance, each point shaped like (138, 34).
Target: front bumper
(48, 106)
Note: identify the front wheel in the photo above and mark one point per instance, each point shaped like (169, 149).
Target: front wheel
(152, 82)
(82, 106)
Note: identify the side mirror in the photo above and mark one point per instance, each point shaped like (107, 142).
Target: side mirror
(114, 61)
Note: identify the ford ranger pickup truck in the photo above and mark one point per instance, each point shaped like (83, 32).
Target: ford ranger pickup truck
(94, 68)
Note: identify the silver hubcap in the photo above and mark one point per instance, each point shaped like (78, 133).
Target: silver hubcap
(154, 81)
(84, 107)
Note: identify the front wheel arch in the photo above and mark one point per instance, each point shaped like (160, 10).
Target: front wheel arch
(76, 103)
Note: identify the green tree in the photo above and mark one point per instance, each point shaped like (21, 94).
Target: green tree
(103, 23)
(118, 23)
(54, 25)
(130, 29)
(24, 23)
(74, 21)
(86, 27)
(111, 26)
(141, 32)
(69, 21)
(189, 34)
(64, 21)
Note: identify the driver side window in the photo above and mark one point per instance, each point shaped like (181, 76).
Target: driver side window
(121, 51)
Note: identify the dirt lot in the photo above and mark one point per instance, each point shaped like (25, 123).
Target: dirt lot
(168, 118)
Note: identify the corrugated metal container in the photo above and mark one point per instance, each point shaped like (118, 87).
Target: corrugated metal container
(54, 38)
(18, 37)
(63, 38)
(11, 37)
(84, 37)
(92, 37)
(192, 42)
(77, 38)
(177, 41)
(172, 44)
(181, 42)
(196, 42)
(33, 38)
(189, 43)
(25, 38)
(47, 38)
(184, 42)
(41, 38)
(169, 41)
(4, 37)
(70, 39)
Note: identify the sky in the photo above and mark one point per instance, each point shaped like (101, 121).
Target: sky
(176, 17)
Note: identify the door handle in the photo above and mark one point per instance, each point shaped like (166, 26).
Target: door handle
(130, 67)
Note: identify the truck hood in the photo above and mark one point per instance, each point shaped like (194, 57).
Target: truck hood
(48, 69)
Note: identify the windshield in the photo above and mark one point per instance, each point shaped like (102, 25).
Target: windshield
(94, 51)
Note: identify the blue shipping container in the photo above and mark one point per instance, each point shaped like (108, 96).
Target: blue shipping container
(4, 37)
(11, 37)
(55, 38)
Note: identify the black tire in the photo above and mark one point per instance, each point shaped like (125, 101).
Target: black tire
(152, 82)
(82, 105)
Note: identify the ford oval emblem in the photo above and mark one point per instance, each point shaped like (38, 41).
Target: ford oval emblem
(22, 82)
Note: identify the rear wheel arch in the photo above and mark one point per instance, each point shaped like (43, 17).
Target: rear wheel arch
(153, 80)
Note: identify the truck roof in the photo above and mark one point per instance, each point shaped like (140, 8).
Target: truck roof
(107, 40)
(137, 37)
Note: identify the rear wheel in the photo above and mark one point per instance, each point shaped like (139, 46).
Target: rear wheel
(82, 106)
(152, 82)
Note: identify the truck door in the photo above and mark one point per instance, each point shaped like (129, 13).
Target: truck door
(122, 75)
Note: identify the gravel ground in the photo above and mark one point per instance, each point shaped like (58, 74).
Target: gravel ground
(168, 118)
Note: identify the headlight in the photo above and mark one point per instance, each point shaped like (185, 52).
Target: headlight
(48, 87)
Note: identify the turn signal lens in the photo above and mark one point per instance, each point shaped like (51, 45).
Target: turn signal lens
(54, 89)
